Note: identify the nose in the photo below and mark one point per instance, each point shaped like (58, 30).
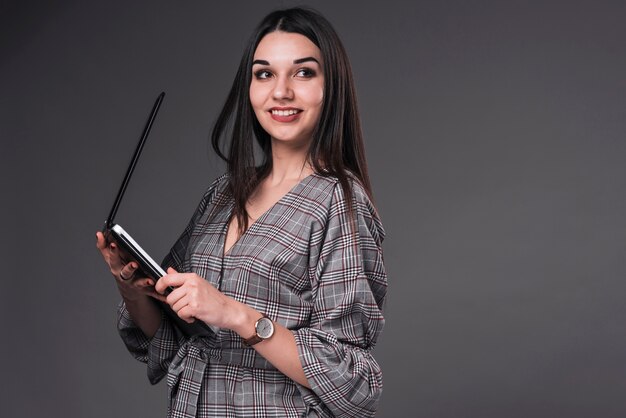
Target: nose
(283, 89)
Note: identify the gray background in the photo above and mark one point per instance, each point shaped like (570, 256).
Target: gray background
(496, 141)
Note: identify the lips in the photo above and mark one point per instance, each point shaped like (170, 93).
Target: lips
(285, 114)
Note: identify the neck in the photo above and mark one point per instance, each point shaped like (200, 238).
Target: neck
(289, 163)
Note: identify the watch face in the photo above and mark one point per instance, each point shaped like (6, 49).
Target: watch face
(264, 328)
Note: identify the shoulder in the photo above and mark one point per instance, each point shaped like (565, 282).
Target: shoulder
(217, 190)
(353, 203)
(355, 192)
(332, 187)
(219, 183)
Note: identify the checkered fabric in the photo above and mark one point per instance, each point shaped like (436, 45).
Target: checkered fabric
(310, 266)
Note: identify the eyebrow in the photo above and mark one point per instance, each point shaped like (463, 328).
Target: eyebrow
(307, 59)
(298, 61)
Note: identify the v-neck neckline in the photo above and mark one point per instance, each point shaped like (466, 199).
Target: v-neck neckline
(293, 190)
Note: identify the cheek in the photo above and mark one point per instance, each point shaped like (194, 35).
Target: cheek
(317, 101)
(256, 96)
(316, 95)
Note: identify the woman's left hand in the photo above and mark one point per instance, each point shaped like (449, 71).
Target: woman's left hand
(195, 298)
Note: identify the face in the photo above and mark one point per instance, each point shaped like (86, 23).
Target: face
(287, 88)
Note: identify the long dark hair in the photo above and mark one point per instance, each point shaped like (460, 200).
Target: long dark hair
(337, 147)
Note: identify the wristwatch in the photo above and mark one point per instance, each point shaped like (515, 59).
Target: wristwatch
(264, 329)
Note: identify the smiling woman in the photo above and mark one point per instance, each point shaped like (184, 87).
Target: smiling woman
(287, 89)
(282, 258)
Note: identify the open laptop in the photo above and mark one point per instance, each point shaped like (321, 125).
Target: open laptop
(133, 251)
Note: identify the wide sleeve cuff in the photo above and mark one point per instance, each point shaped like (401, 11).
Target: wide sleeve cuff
(345, 378)
(157, 352)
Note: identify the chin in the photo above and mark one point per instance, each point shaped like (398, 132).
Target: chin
(290, 139)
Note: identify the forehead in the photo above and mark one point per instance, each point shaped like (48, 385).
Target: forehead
(277, 46)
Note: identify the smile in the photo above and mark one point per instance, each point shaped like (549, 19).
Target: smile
(287, 112)
(285, 115)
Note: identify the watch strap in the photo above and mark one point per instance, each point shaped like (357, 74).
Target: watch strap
(255, 339)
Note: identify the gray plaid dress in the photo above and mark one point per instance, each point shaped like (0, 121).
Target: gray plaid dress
(311, 267)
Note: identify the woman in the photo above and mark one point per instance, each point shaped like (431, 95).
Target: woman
(282, 258)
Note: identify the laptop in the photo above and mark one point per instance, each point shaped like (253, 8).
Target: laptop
(147, 266)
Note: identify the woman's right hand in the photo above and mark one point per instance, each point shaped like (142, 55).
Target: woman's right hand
(130, 287)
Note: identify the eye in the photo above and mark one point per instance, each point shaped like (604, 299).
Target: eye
(305, 73)
(262, 74)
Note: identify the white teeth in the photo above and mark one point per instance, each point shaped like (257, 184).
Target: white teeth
(284, 112)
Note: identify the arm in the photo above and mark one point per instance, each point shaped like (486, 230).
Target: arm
(147, 333)
(280, 349)
(349, 286)
(331, 356)
(195, 298)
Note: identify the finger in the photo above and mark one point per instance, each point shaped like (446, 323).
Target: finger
(119, 251)
(185, 314)
(169, 280)
(143, 282)
(128, 271)
(175, 296)
(117, 259)
(147, 286)
(180, 304)
(156, 296)
(115, 249)
(101, 242)
(161, 285)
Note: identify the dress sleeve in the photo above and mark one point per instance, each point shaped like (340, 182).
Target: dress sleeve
(348, 288)
(157, 352)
